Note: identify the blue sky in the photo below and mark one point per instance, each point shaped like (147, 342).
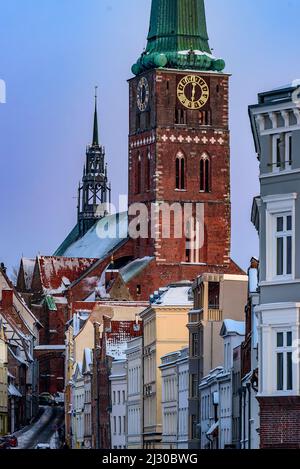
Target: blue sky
(53, 52)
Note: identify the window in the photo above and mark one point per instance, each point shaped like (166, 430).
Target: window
(284, 363)
(139, 175)
(115, 425)
(204, 173)
(204, 118)
(148, 175)
(195, 344)
(213, 295)
(123, 395)
(194, 241)
(114, 397)
(194, 426)
(194, 385)
(180, 172)
(180, 116)
(119, 397)
(120, 426)
(284, 244)
(282, 152)
(138, 122)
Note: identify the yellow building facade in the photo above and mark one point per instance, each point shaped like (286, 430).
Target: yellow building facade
(165, 330)
(3, 383)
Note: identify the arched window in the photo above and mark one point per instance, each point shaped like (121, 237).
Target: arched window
(193, 241)
(205, 173)
(148, 169)
(180, 171)
(139, 175)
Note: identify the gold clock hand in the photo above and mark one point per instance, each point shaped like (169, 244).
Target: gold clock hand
(193, 92)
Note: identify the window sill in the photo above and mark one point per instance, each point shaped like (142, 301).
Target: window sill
(279, 281)
(180, 190)
(279, 173)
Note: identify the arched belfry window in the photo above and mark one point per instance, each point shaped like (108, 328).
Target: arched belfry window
(205, 173)
(180, 171)
(148, 169)
(139, 175)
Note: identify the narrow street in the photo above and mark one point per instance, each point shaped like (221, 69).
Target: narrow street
(44, 430)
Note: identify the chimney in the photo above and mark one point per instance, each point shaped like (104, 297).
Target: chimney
(7, 299)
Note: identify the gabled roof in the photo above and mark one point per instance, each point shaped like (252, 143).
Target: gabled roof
(57, 273)
(28, 269)
(116, 338)
(230, 327)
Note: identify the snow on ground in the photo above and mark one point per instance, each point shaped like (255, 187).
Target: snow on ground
(27, 434)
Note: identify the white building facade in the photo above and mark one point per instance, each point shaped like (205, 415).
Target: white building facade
(134, 411)
(87, 377)
(275, 122)
(216, 393)
(78, 408)
(175, 389)
(118, 384)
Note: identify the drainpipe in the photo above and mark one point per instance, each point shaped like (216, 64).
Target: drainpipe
(244, 417)
(249, 415)
(240, 417)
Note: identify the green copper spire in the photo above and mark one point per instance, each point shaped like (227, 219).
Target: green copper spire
(178, 38)
(95, 132)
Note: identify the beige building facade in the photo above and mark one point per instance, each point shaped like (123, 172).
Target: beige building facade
(165, 331)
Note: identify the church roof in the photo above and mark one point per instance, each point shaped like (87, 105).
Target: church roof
(102, 238)
(134, 268)
(57, 273)
(70, 239)
(178, 38)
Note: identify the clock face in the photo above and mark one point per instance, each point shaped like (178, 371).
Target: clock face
(193, 92)
(143, 94)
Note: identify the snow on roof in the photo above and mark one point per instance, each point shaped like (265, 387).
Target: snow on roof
(174, 295)
(216, 372)
(233, 327)
(117, 337)
(102, 238)
(13, 391)
(28, 268)
(134, 268)
(57, 273)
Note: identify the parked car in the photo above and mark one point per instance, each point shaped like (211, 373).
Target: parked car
(45, 398)
(42, 446)
(11, 440)
(3, 443)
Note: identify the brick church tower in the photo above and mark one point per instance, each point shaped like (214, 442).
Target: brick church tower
(179, 137)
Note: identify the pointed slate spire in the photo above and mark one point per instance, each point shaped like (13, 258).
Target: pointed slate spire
(95, 131)
(178, 38)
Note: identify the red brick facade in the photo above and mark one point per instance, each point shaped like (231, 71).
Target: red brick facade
(155, 151)
(279, 422)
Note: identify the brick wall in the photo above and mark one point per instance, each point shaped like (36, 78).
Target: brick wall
(279, 422)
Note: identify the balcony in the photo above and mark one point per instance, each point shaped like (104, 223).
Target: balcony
(214, 314)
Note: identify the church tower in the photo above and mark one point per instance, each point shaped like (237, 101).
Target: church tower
(94, 191)
(179, 134)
